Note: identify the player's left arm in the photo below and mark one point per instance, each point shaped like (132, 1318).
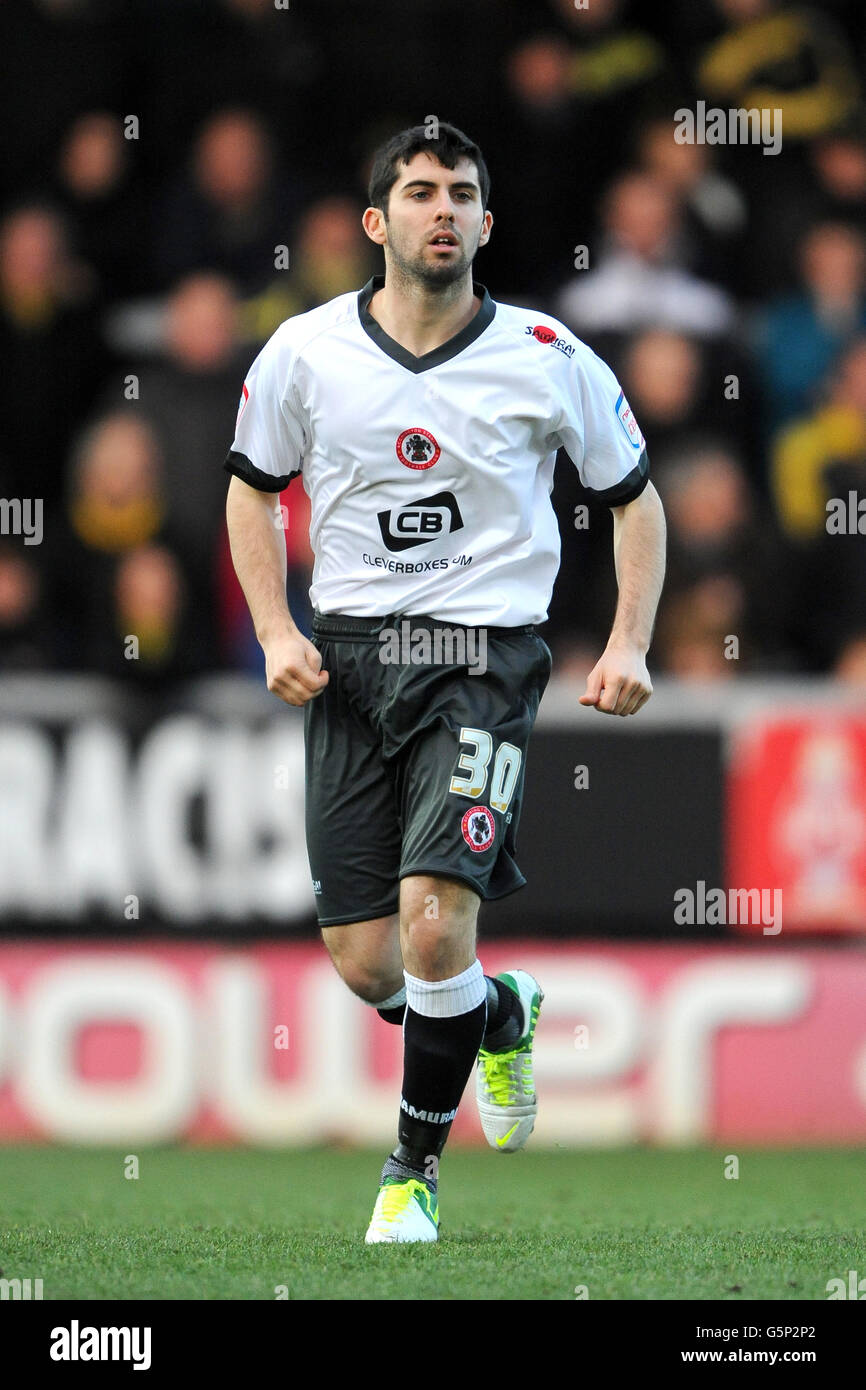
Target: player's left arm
(619, 683)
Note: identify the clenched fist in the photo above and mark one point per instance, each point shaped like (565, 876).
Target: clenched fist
(619, 683)
(293, 667)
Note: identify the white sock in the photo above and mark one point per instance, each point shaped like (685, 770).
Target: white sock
(392, 1002)
(447, 998)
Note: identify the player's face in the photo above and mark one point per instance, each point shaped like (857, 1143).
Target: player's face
(435, 221)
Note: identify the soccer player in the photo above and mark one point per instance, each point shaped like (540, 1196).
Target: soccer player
(424, 420)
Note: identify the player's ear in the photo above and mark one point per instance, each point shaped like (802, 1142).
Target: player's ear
(373, 223)
(486, 226)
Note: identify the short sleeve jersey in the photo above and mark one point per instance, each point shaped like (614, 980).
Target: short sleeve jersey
(430, 477)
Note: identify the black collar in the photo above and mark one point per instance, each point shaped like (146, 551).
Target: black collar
(461, 340)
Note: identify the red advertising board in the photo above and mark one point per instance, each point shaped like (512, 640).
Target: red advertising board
(797, 820)
(125, 1045)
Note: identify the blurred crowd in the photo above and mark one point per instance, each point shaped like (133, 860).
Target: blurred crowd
(156, 154)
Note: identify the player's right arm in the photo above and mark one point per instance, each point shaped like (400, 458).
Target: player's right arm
(267, 452)
(292, 662)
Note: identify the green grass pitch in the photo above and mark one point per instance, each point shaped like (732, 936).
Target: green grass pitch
(626, 1224)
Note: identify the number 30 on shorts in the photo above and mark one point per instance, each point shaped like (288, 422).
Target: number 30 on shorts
(506, 769)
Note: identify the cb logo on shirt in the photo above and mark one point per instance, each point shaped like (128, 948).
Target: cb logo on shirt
(420, 521)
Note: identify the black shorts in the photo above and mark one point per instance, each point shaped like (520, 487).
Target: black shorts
(413, 764)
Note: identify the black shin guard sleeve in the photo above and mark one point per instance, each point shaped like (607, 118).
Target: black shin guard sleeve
(395, 1015)
(437, 1059)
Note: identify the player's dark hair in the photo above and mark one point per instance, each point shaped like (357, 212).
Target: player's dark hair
(443, 142)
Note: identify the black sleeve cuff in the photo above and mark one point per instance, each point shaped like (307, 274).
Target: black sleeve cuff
(246, 470)
(629, 487)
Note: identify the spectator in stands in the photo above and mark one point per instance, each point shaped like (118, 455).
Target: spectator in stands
(116, 509)
(60, 57)
(116, 499)
(803, 333)
(50, 347)
(827, 185)
(832, 599)
(637, 280)
(24, 634)
(150, 605)
(819, 460)
(617, 71)
(726, 604)
(94, 188)
(824, 453)
(694, 629)
(190, 400)
(231, 211)
(579, 83)
(681, 388)
(295, 66)
(330, 255)
(775, 55)
(538, 117)
(713, 210)
(662, 375)
(839, 164)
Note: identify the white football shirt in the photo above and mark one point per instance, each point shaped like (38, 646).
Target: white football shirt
(429, 477)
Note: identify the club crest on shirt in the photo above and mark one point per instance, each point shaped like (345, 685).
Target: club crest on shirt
(625, 415)
(479, 828)
(417, 448)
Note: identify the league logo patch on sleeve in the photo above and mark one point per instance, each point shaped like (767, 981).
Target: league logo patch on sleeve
(479, 828)
(625, 415)
(245, 395)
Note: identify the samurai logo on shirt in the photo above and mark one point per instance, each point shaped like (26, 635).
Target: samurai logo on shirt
(543, 334)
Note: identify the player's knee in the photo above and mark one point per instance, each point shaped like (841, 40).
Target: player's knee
(433, 946)
(368, 983)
